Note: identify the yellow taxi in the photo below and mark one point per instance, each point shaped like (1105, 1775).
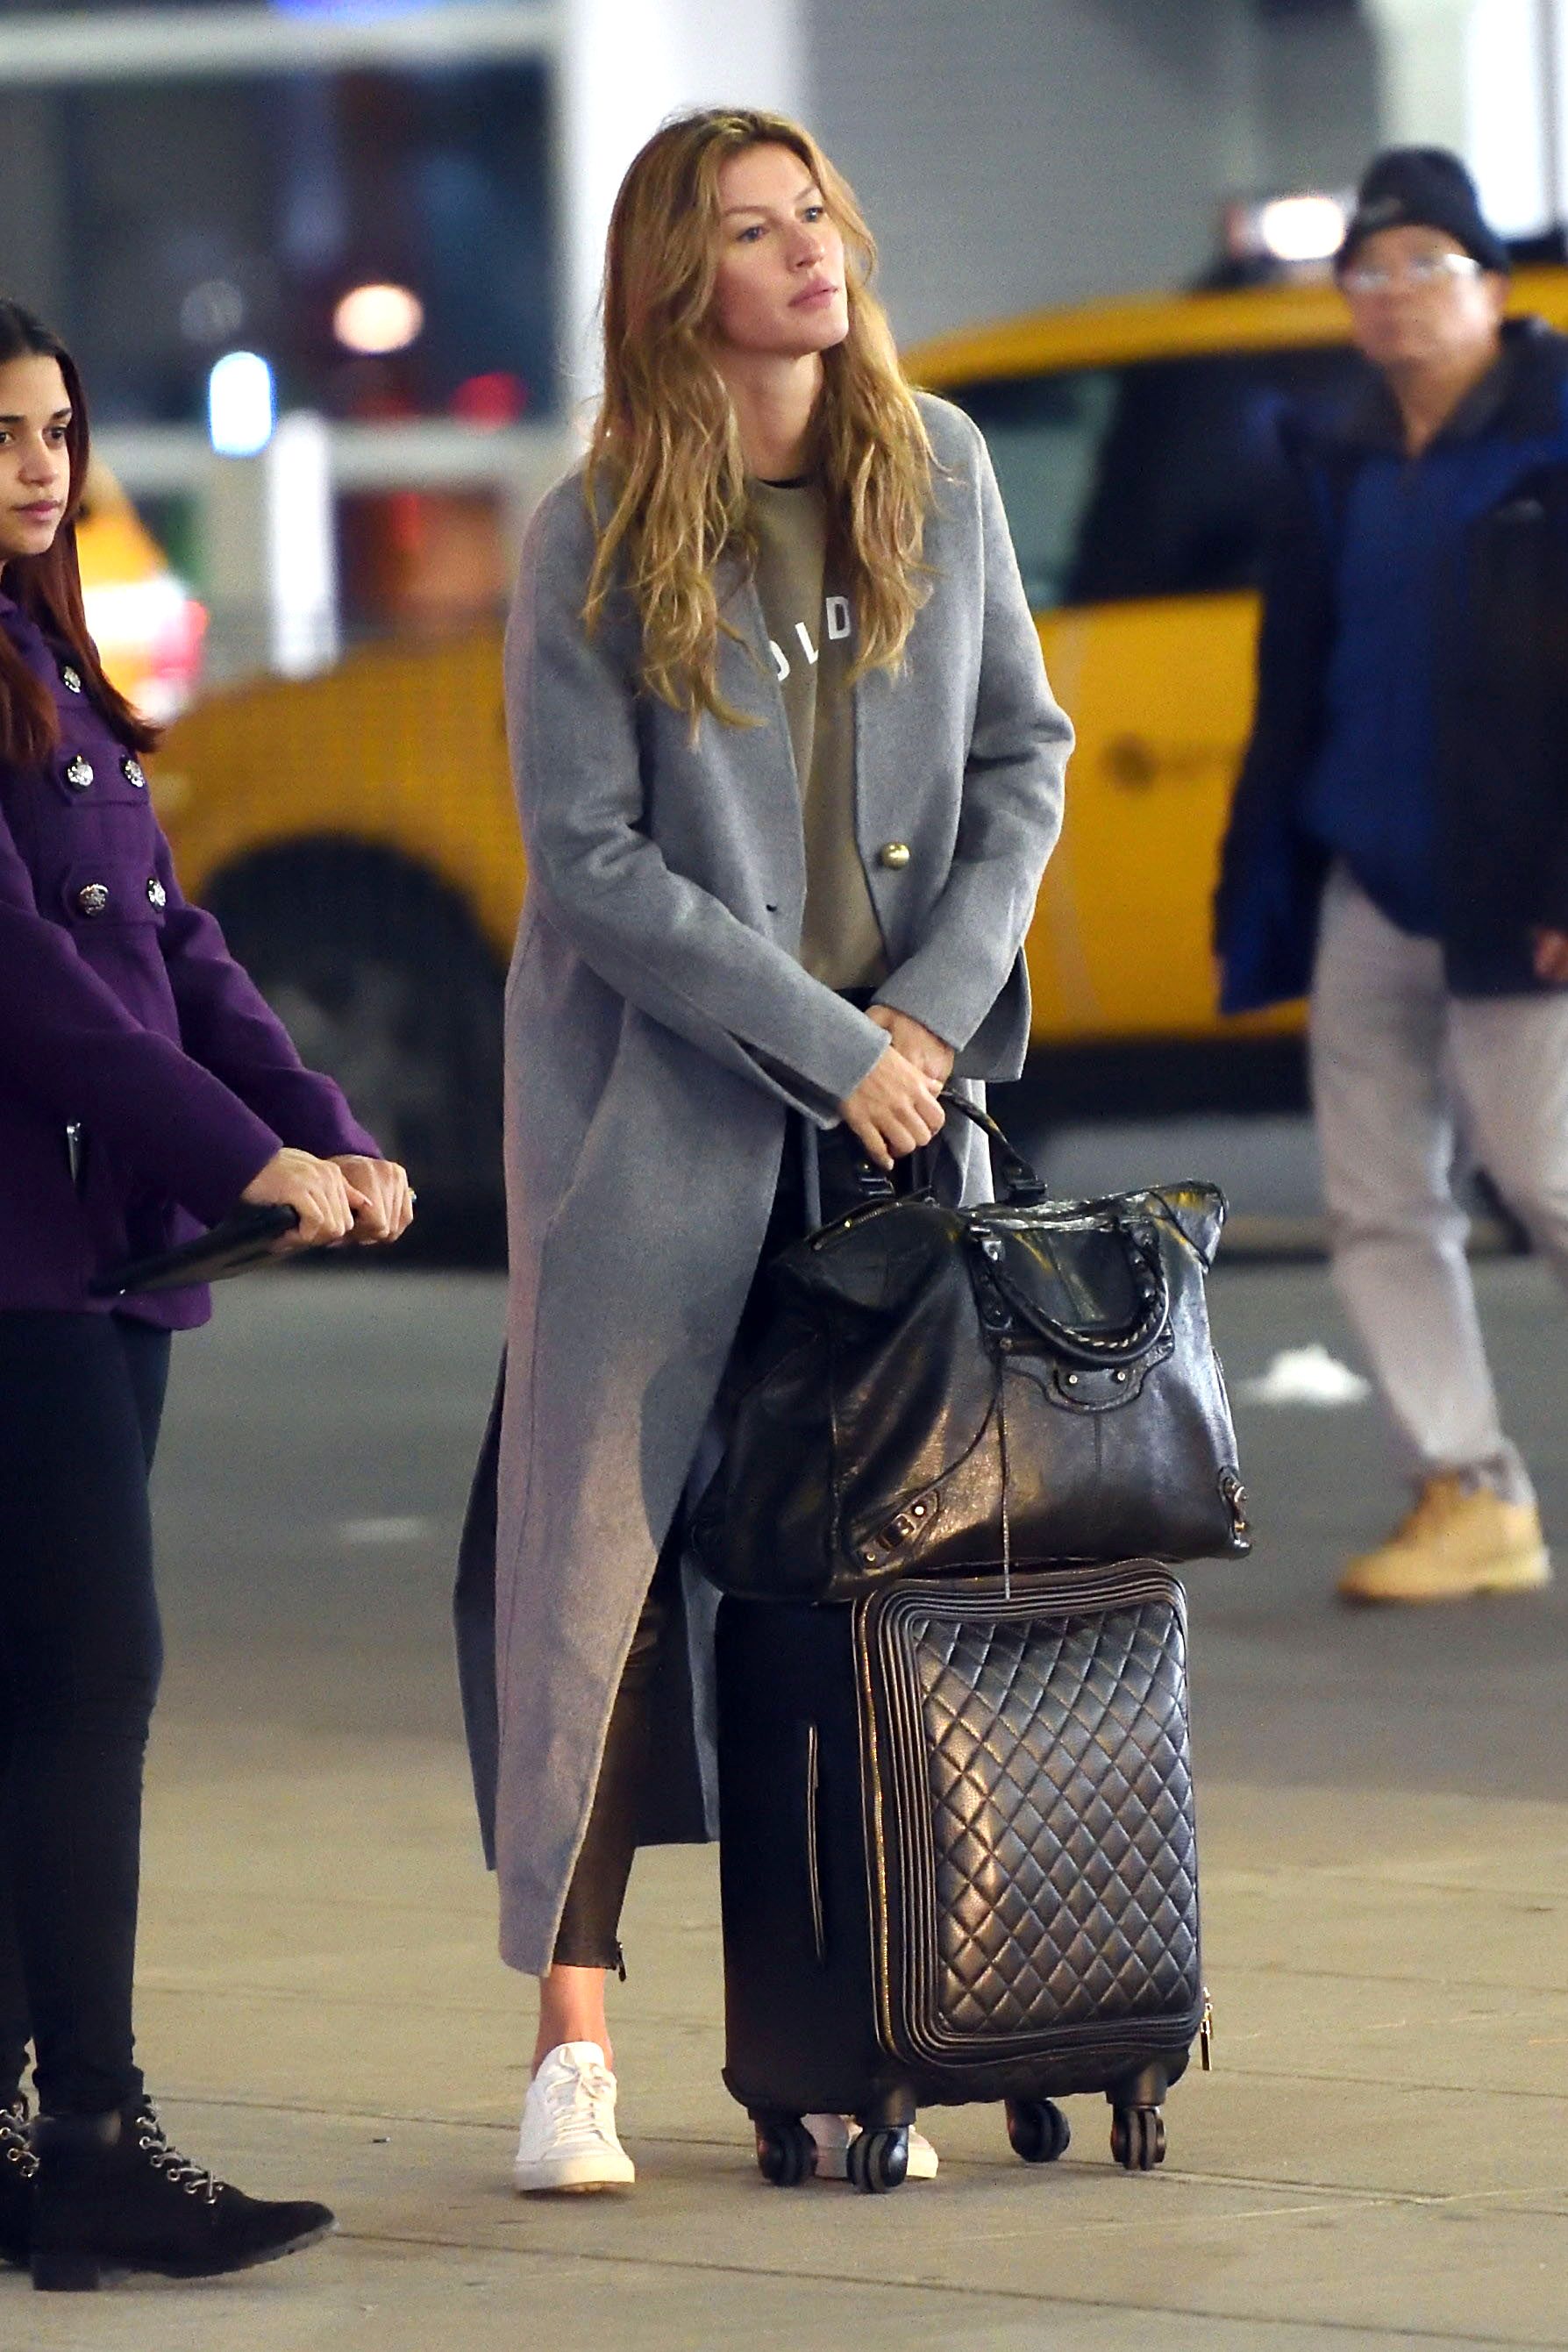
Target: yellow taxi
(356, 834)
(1135, 445)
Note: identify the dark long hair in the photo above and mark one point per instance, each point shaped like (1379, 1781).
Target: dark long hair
(48, 587)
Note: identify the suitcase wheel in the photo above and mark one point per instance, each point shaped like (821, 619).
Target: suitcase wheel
(786, 2153)
(879, 2159)
(1138, 2138)
(1038, 2130)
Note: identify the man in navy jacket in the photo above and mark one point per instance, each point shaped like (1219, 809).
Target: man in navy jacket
(1399, 839)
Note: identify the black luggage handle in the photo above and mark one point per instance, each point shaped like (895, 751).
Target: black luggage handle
(246, 1237)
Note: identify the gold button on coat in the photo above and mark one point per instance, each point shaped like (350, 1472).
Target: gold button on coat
(894, 854)
(93, 898)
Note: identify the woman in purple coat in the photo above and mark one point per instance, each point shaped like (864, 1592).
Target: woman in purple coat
(145, 1088)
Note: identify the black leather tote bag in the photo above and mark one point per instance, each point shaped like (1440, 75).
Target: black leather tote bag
(946, 1390)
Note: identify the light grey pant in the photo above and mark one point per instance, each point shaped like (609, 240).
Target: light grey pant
(1407, 1078)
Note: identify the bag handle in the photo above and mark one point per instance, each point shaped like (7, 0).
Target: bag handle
(1021, 1187)
(1092, 1348)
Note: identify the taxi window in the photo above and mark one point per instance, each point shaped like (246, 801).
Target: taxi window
(1046, 435)
(1153, 479)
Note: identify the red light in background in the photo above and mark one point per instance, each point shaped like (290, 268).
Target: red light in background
(494, 400)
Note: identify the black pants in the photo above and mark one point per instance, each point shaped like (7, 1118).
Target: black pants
(588, 1933)
(81, 1654)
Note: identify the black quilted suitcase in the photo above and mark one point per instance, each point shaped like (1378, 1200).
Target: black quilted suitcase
(958, 1861)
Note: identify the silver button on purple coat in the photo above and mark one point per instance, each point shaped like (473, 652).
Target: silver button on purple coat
(78, 775)
(134, 773)
(93, 898)
(157, 894)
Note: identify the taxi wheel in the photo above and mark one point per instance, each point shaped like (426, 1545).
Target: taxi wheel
(381, 977)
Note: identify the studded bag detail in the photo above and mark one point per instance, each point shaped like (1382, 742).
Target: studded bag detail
(941, 1390)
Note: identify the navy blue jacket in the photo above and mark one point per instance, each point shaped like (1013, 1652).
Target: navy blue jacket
(1500, 696)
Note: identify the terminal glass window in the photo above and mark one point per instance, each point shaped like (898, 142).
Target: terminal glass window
(1154, 479)
(170, 222)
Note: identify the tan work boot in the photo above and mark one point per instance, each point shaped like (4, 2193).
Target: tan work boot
(1455, 1543)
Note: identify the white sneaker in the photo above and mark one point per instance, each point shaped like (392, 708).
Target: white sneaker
(568, 2139)
(833, 2135)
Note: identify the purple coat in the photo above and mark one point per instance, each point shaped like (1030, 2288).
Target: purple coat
(122, 1011)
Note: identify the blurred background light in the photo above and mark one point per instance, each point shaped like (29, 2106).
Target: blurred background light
(241, 404)
(494, 399)
(150, 631)
(375, 319)
(212, 312)
(1302, 228)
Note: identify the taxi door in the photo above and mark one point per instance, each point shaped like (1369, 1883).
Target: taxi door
(1138, 496)
(1160, 694)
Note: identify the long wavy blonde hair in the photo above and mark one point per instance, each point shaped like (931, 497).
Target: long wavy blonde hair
(665, 476)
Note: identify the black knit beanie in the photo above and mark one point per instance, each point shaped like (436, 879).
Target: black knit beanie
(1422, 187)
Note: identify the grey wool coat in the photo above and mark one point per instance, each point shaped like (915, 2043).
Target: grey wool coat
(662, 1040)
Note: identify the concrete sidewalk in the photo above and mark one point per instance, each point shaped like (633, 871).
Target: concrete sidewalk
(1380, 2157)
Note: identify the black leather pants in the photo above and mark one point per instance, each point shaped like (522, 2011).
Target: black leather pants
(589, 1932)
(588, 1937)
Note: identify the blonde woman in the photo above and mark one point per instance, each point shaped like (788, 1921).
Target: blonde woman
(789, 771)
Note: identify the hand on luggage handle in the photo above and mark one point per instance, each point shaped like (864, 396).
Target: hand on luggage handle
(248, 1236)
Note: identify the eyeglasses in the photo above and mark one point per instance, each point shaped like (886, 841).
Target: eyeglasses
(1426, 269)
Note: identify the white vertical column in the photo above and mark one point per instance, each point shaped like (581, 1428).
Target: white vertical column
(1510, 135)
(1485, 78)
(1421, 50)
(270, 556)
(233, 530)
(624, 64)
(301, 546)
(1554, 73)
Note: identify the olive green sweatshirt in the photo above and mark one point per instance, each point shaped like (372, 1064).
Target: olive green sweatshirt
(811, 635)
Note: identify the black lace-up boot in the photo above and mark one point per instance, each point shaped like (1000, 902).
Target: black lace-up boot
(18, 2167)
(110, 2193)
